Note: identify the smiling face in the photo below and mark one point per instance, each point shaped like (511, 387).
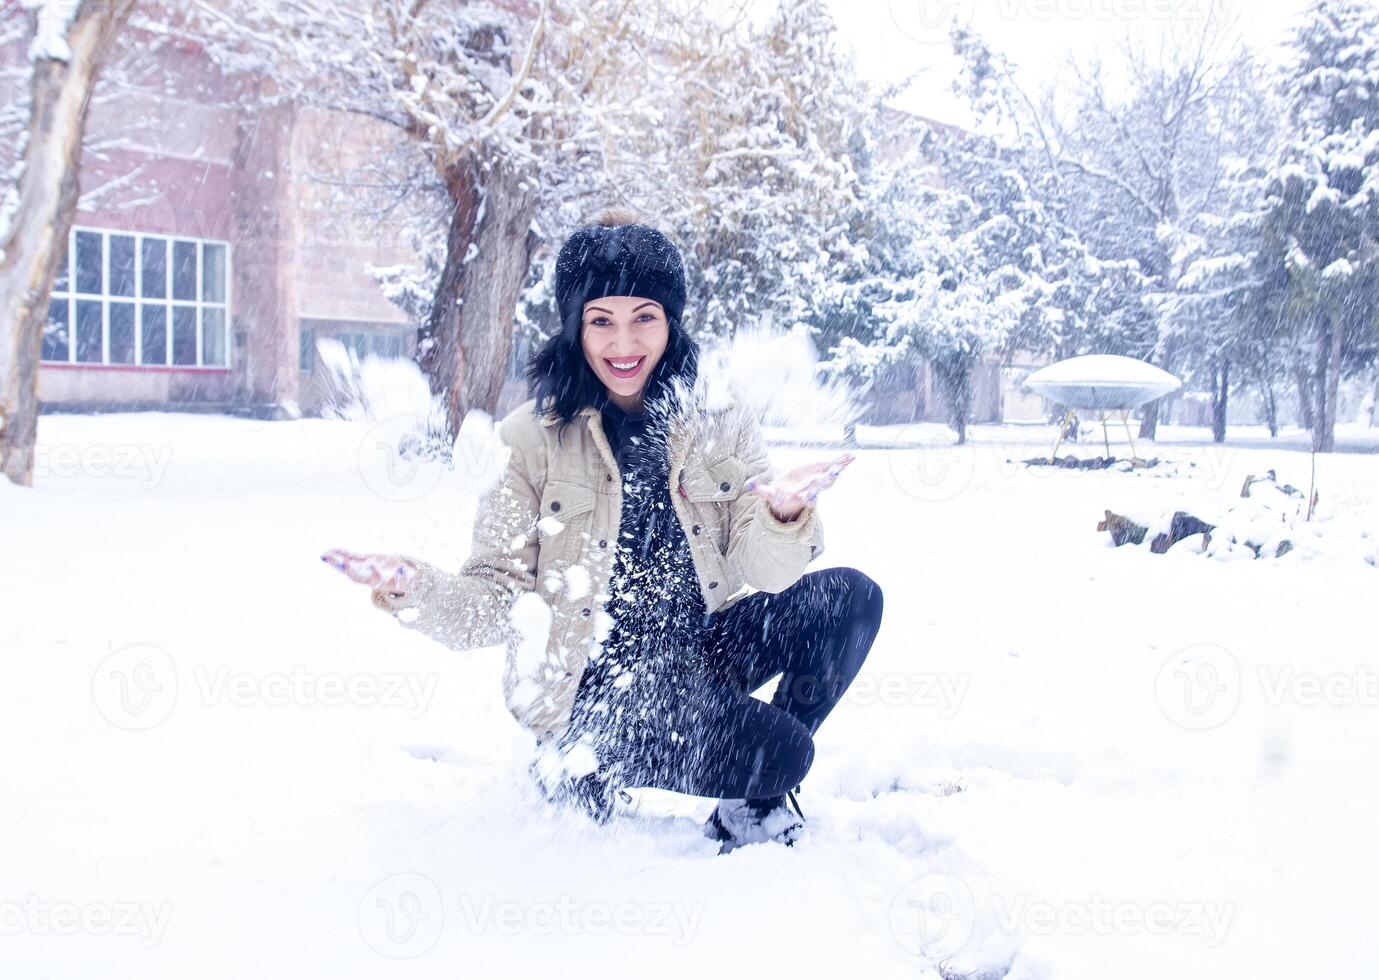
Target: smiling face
(624, 338)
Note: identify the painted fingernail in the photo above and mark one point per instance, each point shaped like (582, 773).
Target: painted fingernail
(751, 484)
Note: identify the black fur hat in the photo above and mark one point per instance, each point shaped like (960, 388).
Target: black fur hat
(614, 256)
(618, 257)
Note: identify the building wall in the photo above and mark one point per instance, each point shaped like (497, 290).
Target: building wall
(158, 160)
(173, 156)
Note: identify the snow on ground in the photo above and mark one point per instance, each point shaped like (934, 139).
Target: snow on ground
(1063, 759)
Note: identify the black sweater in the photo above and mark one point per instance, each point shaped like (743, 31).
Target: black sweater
(657, 609)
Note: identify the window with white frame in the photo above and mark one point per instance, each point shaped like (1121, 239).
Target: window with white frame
(128, 298)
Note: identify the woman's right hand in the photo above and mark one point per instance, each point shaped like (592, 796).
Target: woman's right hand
(389, 576)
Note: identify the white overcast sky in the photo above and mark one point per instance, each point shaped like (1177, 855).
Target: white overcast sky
(892, 38)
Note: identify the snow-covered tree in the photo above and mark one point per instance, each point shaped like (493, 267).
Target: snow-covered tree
(759, 181)
(513, 107)
(1319, 230)
(1217, 310)
(68, 42)
(1129, 166)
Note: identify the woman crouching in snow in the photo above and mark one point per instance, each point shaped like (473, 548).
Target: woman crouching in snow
(632, 510)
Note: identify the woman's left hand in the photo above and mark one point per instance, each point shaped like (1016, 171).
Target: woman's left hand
(790, 493)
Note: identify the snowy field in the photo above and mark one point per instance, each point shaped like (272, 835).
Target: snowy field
(1063, 759)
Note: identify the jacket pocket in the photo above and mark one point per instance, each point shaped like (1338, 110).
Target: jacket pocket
(714, 483)
(563, 524)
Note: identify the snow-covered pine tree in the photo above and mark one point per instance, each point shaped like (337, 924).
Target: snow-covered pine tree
(1319, 231)
(1129, 166)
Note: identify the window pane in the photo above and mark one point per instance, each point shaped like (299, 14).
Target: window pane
(213, 273)
(121, 265)
(88, 330)
(155, 330)
(88, 263)
(306, 349)
(212, 336)
(55, 336)
(184, 335)
(61, 283)
(155, 272)
(184, 270)
(121, 333)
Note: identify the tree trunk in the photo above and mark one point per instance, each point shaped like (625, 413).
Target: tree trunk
(1221, 385)
(954, 373)
(1304, 382)
(1374, 405)
(1266, 391)
(36, 240)
(467, 339)
(1328, 386)
(1149, 419)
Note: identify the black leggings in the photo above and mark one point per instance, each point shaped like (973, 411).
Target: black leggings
(700, 732)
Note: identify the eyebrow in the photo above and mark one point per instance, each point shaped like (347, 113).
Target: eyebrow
(601, 309)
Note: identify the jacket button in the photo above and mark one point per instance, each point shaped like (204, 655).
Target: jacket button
(603, 542)
(555, 505)
(610, 477)
(713, 585)
(584, 612)
(695, 529)
(725, 486)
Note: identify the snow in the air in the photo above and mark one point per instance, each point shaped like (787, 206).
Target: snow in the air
(1062, 759)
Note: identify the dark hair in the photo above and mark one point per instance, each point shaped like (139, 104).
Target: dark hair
(560, 379)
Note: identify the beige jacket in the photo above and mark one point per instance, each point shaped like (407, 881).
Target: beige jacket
(538, 572)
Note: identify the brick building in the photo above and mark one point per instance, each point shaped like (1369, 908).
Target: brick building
(209, 254)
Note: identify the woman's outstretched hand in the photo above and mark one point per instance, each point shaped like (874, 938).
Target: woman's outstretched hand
(790, 493)
(389, 576)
